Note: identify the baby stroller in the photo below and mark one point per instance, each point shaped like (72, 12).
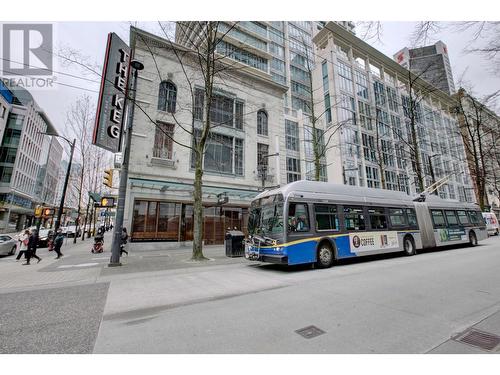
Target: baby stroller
(98, 246)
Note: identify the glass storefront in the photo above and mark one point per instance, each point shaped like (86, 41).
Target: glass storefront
(173, 221)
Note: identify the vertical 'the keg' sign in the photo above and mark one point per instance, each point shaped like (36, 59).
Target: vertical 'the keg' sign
(111, 105)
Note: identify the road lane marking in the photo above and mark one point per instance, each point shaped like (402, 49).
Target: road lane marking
(79, 265)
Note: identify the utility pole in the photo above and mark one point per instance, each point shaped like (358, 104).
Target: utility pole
(86, 218)
(432, 171)
(262, 168)
(66, 179)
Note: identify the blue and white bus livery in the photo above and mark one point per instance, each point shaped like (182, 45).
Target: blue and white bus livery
(317, 222)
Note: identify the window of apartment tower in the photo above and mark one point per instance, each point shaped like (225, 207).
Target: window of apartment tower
(167, 97)
(163, 145)
(262, 122)
(293, 169)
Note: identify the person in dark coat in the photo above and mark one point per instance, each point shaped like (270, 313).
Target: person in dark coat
(124, 239)
(58, 242)
(32, 245)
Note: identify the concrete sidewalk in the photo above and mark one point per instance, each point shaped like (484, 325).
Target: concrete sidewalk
(479, 339)
(160, 256)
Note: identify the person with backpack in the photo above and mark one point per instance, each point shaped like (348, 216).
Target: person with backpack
(23, 248)
(58, 242)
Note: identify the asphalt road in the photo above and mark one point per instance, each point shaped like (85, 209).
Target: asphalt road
(390, 304)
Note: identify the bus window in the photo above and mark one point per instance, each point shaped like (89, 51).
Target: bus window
(354, 218)
(474, 219)
(412, 217)
(451, 218)
(298, 218)
(378, 220)
(438, 219)
(397, 217)
(463, 219)
(326, 217)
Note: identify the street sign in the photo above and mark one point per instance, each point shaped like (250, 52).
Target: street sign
(111, 105)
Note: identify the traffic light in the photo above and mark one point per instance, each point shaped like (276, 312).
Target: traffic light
(107, 202)
(38, 211)
(108, 178)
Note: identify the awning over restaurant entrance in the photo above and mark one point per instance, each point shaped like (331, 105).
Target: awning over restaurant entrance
(209, 192)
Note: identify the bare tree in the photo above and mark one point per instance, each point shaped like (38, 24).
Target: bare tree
(315, 132)
(204, 61)
(370, 30)
(479, 128)
(80, 121)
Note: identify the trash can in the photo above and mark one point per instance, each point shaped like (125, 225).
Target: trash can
(234, 243)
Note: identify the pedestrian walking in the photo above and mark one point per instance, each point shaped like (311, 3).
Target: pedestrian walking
(23, 248)
(32, 245)
(50, 241)
(124, 239)
(58, 242)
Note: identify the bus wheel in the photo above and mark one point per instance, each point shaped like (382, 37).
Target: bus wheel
(325, 256)
(409, 246)
(472, 238)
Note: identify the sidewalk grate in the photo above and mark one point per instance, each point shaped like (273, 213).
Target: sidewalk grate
(480, 339)
(310, 332)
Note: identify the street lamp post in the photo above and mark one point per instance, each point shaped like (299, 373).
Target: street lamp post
(66, 179)
(262, 168)
(432, 171)
(122, 190)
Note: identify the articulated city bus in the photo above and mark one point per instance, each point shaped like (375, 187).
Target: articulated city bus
(318, 222)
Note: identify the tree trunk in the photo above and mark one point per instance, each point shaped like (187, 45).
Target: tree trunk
(198, 209)
(418, 167)
(316, 150)
(380, 157)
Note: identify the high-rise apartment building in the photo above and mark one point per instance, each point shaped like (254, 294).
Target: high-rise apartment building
(431, 63)
(368, 95)
(283, 49)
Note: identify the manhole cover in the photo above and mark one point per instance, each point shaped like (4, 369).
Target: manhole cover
(310, 332)
(483, 340)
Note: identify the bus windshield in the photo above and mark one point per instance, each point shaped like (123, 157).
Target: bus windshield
(266, 216)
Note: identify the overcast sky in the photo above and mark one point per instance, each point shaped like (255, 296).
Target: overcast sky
(90, 39)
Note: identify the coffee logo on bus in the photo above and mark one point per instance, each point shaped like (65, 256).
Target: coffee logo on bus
(356, 241)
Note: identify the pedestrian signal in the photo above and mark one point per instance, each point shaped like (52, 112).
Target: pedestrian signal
(107, 202)
(47, 212)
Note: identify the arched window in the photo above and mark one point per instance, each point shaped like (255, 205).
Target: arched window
(167, 97)
(262, 122)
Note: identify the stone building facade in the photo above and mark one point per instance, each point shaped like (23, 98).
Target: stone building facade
(248, 121)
